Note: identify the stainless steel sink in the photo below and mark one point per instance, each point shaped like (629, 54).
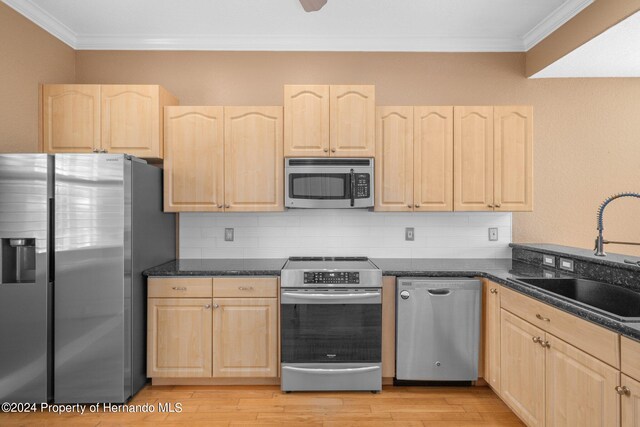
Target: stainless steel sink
(620, 303)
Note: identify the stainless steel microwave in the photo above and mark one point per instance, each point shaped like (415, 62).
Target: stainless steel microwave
(329, 183)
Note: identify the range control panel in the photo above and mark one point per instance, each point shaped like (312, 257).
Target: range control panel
(362, 187)
(332, 277)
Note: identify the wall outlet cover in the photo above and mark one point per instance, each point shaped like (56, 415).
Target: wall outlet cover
(409, 234)
(228, 234)
(493, 234)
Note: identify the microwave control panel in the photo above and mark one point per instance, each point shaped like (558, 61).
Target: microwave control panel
(363, 185)
(332, 277)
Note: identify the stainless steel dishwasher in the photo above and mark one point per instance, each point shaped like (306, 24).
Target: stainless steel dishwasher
(438, 329)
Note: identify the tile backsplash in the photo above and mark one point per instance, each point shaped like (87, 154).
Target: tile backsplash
(344, 233)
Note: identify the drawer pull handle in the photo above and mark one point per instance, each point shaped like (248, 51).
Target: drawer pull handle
(541, 317)
(243, 288)
(623, 391)
(536, 340)
(179, 288)
(493, 290)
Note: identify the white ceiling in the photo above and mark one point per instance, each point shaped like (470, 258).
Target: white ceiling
(614, 53)
(342, 25)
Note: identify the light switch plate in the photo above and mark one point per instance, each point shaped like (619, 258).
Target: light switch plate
(566, 264)
(493, 234)
(409, 234)
(549, 260)
(228, 234)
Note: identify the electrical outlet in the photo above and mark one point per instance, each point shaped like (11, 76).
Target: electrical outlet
(228, 234)
(409, 234)
(493, 234)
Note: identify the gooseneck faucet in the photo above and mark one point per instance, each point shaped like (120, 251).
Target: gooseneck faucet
(600, 241)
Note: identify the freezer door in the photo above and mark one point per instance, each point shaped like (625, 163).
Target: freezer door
(24, 284)
(92, 278)
(438, 329)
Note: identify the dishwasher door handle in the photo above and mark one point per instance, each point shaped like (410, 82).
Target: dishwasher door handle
(439, 292)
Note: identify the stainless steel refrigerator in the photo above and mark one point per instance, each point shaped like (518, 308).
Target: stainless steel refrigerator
(76, 232)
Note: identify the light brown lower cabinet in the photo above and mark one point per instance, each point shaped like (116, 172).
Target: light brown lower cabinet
(548, 382)
(630, 402)
(491, 299)
(245, 337)
(179, 337)
(235, 336)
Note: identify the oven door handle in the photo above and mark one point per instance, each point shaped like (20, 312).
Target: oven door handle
(331, 371)
(331, 296)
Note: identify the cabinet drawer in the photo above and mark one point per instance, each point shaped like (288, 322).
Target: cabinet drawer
(192, 287)
(245, 287)
(593, 339)
(630, 357)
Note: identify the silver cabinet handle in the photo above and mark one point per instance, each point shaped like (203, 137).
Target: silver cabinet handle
(498, 205)
(536, 340)
(545, 344)
(417, 205)
(541, 317)
(179, 288)
(215, 306)
(326, 150)
(207, 306)
(227, 206)
(409, 206)
(333, 150)
(330, 371)
(623, 391)
(489, 205)
(95, 150)
(243, 288)
(220, 206)
(493, 290)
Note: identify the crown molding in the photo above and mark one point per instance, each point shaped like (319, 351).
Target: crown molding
(553, 21)
(299, 43)
(43, 19)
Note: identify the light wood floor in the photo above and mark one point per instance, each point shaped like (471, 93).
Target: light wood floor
(266, 405)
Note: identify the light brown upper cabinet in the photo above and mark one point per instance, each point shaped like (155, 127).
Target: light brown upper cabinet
(306, 120)
(70, 118)
(104, 118)
(394, 159)
(414, 159)
(493, 158)
(254, 160)
(513, 158)
(194, 159)
(329, 120)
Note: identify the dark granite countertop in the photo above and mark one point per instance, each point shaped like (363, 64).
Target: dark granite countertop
(218, 267)
(505, 272)
(612, 259)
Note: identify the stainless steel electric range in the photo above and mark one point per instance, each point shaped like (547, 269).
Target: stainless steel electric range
(331, 324)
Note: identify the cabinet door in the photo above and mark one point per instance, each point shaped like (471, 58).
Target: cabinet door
(179, 337)
(254, 162)
(522, 365)
(306, 120)
(473, 158)
(433, 158)
(492, 335)
(580, 389)
(513, 158)
(245, 337)
(194, 159)
(394, 159)
(630, 403)
(352, 123)
(70, 118)
(132, 119)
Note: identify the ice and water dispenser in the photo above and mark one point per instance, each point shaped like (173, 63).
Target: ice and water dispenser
(17, 260)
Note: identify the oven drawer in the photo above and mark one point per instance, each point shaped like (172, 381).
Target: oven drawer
(331, 376)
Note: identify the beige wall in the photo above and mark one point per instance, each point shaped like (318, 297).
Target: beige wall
(29, 56)
(587, 131)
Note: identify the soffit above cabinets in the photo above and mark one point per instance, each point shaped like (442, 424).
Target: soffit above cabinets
(614, 53)
(283, 25)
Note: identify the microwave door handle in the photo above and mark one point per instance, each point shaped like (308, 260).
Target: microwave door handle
(353, 187)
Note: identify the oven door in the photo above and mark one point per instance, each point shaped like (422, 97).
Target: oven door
(331, 325)
(329, 183)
